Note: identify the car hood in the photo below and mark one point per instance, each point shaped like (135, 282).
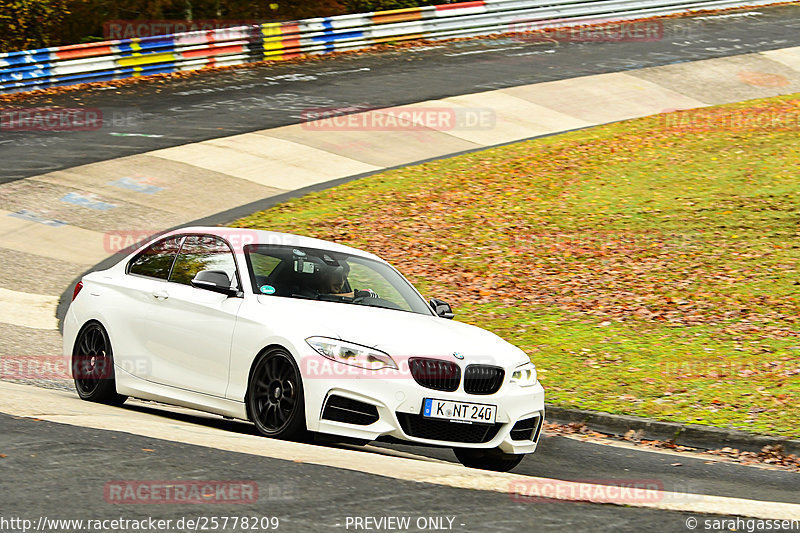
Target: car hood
(398, 333)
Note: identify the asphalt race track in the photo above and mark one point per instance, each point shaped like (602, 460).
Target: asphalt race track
(51, 466)
(304, 497)
(296, 482)
(148, 116)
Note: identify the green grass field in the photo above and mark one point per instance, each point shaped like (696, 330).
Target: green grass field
(647, 269)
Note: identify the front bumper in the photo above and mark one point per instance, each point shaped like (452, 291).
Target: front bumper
(399, 400)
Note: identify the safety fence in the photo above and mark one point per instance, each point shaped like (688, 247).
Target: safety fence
(124, 58)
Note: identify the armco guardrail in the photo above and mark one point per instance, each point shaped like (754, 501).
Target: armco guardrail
(69, 65)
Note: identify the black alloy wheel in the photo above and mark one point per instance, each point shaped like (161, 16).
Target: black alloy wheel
(93, 366)
(275, 398)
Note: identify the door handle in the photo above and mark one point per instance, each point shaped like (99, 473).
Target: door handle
(160, 295)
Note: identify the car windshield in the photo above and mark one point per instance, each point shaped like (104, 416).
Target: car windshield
(310, 273)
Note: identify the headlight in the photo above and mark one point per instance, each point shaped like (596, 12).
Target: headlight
(351, 354)
(524, 375)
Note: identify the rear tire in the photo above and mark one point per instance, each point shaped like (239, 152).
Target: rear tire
(491, 459)
(275, 398)
(93, 366)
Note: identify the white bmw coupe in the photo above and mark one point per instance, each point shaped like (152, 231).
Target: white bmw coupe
(300, 336)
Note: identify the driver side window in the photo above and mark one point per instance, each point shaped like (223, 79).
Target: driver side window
(362, 277)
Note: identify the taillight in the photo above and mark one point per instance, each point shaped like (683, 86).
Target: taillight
(78, 287)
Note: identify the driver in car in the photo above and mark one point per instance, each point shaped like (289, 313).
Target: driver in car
(334, 279)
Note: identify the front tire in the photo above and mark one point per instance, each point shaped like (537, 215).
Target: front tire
(275, 398)
(93, 366)
(491, 459)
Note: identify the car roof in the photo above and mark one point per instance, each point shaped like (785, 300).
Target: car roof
(254, 236)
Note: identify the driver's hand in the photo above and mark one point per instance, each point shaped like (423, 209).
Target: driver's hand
(366, 293)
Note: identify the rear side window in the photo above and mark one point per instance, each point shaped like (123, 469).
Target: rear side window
(156, 260)
(203, 252)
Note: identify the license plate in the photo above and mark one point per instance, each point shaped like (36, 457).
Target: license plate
(459, 411)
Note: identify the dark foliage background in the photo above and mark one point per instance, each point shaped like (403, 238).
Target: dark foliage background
(27, 24)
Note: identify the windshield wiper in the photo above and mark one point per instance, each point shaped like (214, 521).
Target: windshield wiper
(321, 297)
(360, 300)
(304, 297)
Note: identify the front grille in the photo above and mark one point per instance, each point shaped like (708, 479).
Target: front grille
(426, 428)
(524, 429)
(435, 374)
(483, 379)
(349, 411)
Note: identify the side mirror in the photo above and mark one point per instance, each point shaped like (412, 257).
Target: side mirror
(215, 281)
(441, 308)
